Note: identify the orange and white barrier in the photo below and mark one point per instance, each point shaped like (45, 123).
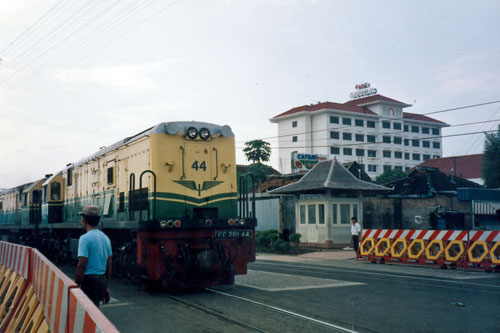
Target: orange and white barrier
(84, 316)
(446, 248)
(15, 257)
(41, 298)
(52, 287)
(483, 250)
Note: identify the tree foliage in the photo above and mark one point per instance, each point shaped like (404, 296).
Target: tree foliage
(257, 151)
(390, 175)
(491, 160)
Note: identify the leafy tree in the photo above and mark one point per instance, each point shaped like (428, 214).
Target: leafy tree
(491, 160)
(390, 175)
(257, 151)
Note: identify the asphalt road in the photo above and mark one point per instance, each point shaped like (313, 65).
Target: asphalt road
(319, 296)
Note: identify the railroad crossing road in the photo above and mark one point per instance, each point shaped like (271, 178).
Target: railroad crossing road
(319, 296)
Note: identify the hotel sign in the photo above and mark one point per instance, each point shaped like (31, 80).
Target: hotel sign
(305, 162)
(363, 90)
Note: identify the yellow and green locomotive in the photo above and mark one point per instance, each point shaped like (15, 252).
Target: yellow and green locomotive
(169, 202)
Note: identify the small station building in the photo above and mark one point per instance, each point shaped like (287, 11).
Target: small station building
(326, 199)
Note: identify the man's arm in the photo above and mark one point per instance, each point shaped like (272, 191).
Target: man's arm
(80, 269)
(109, 266)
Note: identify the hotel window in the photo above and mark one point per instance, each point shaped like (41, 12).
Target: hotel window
(360, 152)
(372, 153)
(386, 139)
(398, 154)
(397, 167)
(407, 168)
(360, 137)
(386, 124)
(372, 168)
(414, 129)
(436, 156)
(387, 153)
(334, 135)
(346, 121)
(407, 142)
(294, 123)
(436, 145)
(334, 120)
(335, 150)
(416, 157)
(347, 151)
(425, 130)
(407, 156)
(415, 143)
(426, 144)
(397, 140)
(387, 167)
(405, 127)
(370, 138)
(426, 157)
(359, 122)
(347, 136)
(435, 131)
(370, 124)
(396, 126)
(294, 138)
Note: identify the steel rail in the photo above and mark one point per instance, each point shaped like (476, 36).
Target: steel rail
(290, 313)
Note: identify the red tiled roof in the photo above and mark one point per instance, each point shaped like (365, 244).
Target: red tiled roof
(374, 98)
(415, 116)
(326, 105)
(466, 166)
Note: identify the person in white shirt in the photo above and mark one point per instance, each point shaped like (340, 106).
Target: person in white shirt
(355, 233)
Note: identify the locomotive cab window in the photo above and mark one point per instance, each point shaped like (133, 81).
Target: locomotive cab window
(55, 191)
(1, 205)
(111, 176)
(70, 177)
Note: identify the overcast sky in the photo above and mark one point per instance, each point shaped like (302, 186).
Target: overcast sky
(90, 73)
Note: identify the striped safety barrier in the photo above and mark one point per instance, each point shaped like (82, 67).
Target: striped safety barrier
(35, 296)
(15, 257)
(483, 251)
(84, 316)
(52, 287)
(445, 248)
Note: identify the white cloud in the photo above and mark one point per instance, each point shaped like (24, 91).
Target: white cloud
(130, 77)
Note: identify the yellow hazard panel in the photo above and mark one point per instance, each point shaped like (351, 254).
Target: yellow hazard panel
(477, 251)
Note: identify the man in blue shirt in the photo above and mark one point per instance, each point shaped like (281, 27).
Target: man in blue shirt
(93, 271)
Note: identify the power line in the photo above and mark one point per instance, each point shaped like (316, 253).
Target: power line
(375, 120)
(372, 143)
(30, 28)
(462, 107)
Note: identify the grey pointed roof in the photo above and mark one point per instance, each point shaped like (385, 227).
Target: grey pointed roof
(329, 175)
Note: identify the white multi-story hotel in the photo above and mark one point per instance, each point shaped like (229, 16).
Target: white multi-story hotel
(373, 131)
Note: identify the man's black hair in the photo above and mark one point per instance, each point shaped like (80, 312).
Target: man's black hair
(92, 220)
(354, 218)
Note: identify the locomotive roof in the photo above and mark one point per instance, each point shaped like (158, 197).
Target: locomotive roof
(173, 128)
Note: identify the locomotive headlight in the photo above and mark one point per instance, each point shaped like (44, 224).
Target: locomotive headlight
(192, 133)
(204, 133)
(242, 222)
(163, 223)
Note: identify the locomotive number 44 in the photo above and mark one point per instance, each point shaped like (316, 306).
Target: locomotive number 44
(199, 166)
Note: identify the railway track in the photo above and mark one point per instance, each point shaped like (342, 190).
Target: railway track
(248, 326)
